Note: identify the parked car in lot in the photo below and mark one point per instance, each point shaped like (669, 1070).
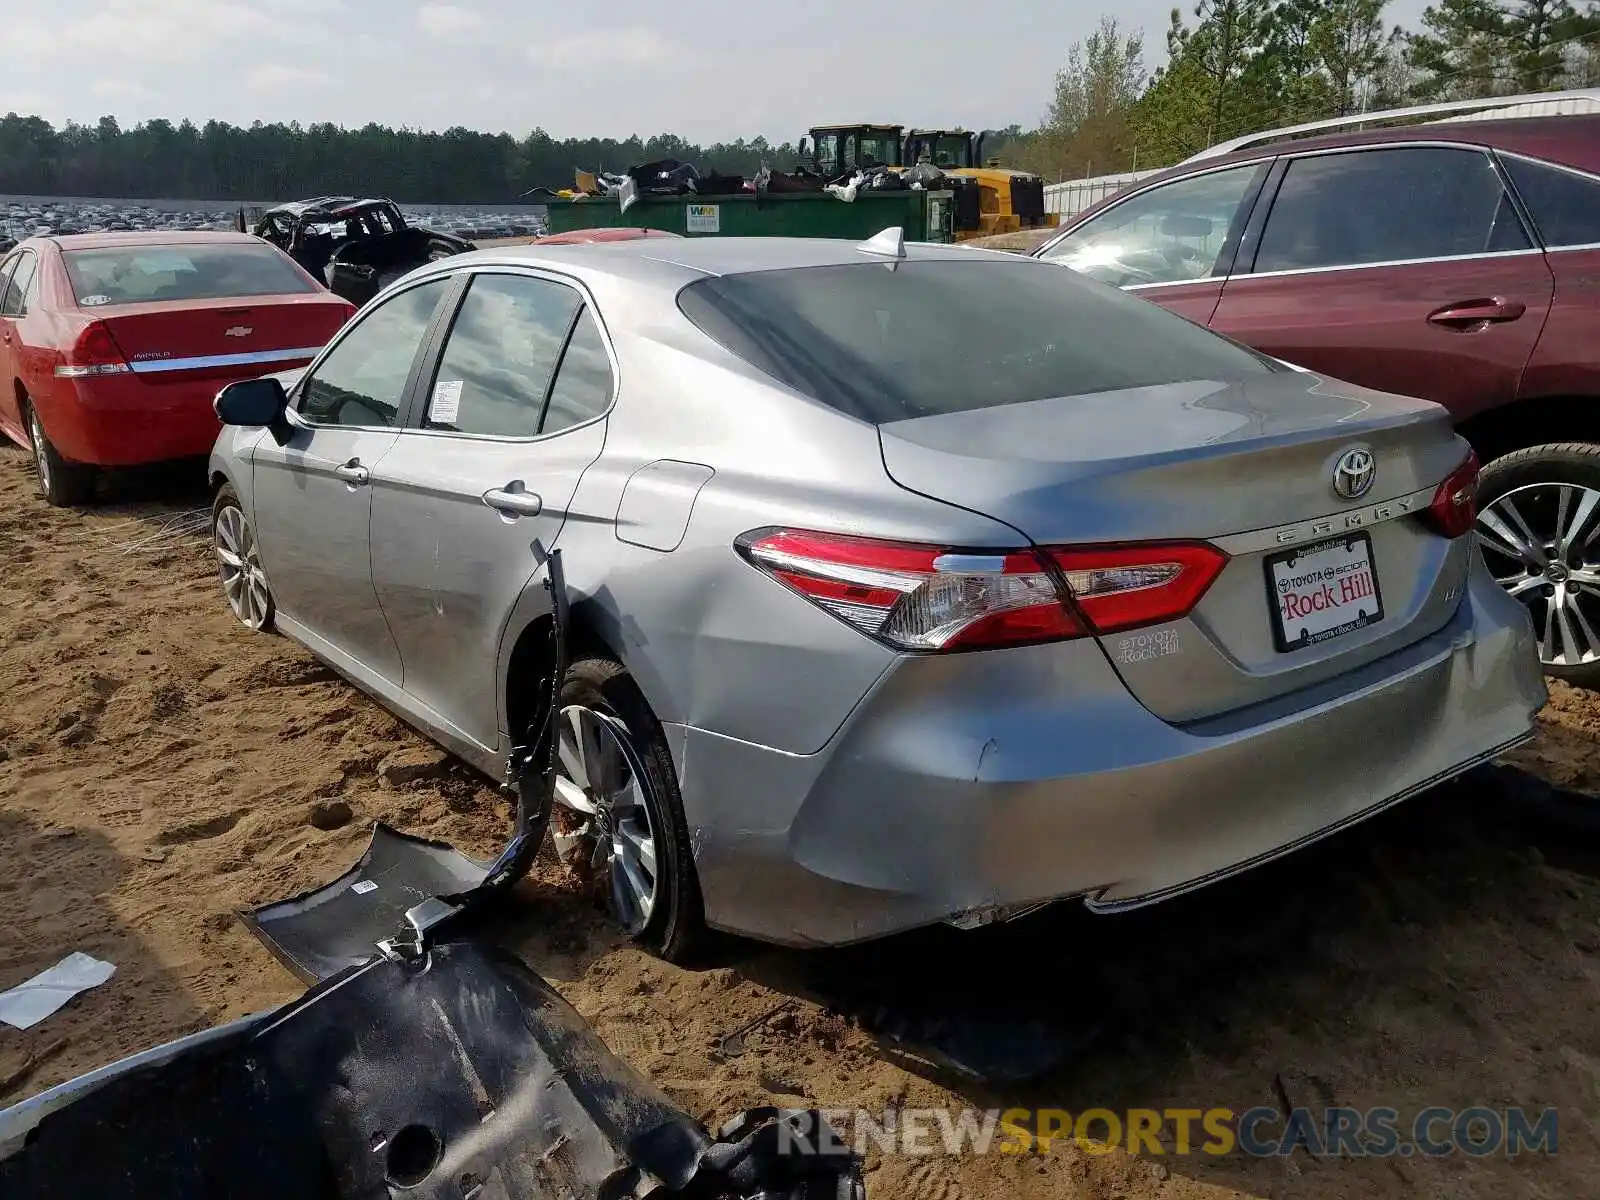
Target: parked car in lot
(875, 626)
(1452, 260)
(113, 346)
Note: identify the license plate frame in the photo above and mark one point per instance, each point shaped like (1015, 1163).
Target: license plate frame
(1280, 637)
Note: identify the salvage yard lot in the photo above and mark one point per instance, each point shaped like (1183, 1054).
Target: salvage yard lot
(160, 768)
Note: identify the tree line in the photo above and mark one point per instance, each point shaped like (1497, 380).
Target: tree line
(1238, 66)
(219, 161)
(1233, 67)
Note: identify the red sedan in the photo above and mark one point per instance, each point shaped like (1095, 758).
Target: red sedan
(113, 346)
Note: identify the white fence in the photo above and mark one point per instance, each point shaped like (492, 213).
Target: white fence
(1075, 195)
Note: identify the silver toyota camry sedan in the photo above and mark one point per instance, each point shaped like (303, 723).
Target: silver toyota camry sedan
(908, 583)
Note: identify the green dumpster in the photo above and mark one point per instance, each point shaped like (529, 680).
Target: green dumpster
(924, 216)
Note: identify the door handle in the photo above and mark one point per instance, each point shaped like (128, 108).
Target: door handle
(514, 500)
(353, 472)
(1469, 313)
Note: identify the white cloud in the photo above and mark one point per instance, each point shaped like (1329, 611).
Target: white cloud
(449, 21)
(635, 46)
(139, 31)
(120, 89)
(278, 77)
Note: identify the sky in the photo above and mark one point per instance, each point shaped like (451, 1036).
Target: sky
(708, 70)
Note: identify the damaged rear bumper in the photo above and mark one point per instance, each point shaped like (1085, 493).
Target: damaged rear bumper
(1012, 778)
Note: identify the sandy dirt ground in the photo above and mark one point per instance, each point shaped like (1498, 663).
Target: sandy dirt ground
(161, 767)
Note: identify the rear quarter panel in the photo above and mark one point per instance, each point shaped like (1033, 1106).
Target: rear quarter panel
(712, 641)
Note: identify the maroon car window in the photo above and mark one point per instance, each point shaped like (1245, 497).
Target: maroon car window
(1564, 205)
(1169, 234)
(1388, 205)
(181, 271)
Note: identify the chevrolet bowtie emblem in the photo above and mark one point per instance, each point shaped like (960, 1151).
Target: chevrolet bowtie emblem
(239, 331)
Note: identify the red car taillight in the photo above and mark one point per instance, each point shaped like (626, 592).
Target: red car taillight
(920, 597)
(1454, 509)
(94, 353)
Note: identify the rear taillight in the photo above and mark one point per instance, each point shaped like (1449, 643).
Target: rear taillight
(94, 353)
(1454, 510)
(928, 598)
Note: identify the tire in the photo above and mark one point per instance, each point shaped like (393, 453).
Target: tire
(239, 566)
(62, 483)
(599, 697)
(1555, 575)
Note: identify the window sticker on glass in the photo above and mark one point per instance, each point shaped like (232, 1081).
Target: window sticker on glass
(446, 403)
(91, 301)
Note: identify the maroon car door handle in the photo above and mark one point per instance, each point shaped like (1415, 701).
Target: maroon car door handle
(1469, 314)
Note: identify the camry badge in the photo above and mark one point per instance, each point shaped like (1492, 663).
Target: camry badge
(1354, 473)
(238, 331)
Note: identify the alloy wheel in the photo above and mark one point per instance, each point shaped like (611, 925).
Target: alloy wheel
(610, 812)
(1537, 541)
(244, 579)
(41, 461)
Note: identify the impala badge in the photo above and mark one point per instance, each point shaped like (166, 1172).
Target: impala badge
(238, 331)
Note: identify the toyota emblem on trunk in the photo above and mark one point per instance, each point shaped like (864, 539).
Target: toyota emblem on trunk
(1354, 472)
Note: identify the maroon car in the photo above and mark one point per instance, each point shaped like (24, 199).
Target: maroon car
(1457, 261)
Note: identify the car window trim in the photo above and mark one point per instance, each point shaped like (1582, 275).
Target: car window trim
(1527, 209)
(8, 274)
(1289, 160)
(435, 354)
(22, 293)
(401, 409)
(1249, 228)
(1119, 200)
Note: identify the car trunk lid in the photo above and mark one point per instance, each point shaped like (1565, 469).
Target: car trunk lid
(1248, 467)
(188, 340)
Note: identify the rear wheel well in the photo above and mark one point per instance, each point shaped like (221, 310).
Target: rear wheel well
(1533, 422)
(528, 671)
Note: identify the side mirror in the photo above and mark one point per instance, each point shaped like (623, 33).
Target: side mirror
(256, 404)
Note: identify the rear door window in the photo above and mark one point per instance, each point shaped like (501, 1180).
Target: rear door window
(1390, 205)
(502, 351)
(181, 271)
(1564, 205)
(1173, 233)
(15, 274)
(944, 335)
(583, 385)
(21, 288)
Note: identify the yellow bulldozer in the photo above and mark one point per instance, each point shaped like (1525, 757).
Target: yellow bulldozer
(996, 200)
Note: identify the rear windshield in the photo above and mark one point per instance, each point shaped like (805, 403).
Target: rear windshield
(945, 336)
(202, 271)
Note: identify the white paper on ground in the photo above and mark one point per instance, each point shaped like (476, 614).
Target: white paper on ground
(25, 1005)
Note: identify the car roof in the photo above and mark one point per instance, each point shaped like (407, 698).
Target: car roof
(692, 258)
(327, 206)
(147, 237)
(1573, 139)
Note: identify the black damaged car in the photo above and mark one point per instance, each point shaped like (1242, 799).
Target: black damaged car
(357, 247)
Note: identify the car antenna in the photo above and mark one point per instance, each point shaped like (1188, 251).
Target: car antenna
(891, 243)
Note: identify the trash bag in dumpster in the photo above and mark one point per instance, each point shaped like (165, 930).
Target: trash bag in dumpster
(421, 1062)
(668, 177)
